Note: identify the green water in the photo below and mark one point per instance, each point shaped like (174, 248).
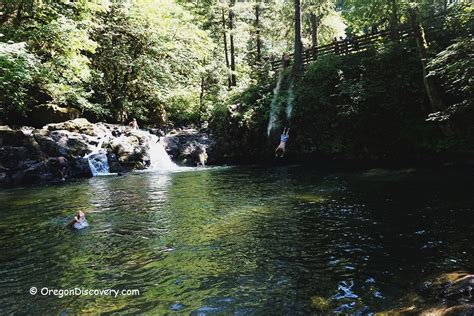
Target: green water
(289, 240)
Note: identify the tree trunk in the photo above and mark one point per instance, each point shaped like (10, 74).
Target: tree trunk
(431, 87)
(233, 78)
(314, 20)
(226, 50)
(201, 98)
(298, 66)
(394, 20)
(19, 12)
(257, 28)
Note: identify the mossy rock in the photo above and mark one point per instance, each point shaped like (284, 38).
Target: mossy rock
(80, 125)
(52, 113)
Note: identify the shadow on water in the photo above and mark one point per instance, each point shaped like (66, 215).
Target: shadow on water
(236, 240)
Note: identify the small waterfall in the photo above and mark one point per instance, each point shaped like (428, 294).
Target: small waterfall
(98, 162)
(272, 122)
(159, 159)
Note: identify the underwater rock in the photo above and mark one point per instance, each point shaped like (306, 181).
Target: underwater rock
(445, 294)
(460, 310)
(454, 286)
(320, 303)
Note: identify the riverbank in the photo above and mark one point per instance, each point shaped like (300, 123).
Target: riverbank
(32, 156)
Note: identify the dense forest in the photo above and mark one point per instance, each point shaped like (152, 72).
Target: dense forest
(209, 63)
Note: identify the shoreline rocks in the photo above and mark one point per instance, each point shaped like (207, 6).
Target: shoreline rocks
(29, 155)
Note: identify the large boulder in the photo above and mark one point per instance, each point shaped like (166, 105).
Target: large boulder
(11, 137)
(32, 172)
(77, 168)
(190, 147)
(114, 163)
(47, 113)
(80, 125)
(131, 149)
(11, 157)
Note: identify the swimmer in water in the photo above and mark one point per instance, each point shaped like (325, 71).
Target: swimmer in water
(79, 221)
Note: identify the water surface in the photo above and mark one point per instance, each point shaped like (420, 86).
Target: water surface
(250, 240)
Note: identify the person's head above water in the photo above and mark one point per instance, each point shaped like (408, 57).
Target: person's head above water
(80, 215)
(79, 221)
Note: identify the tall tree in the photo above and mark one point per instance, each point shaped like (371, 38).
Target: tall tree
(226, 49)
(394, 19)
(314, 22)
(298, 66)
(233, 76)
(257, 30)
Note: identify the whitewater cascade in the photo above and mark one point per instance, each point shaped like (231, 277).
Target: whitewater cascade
(98, 162)
(159, 158)
(290, 102)
(274, 106)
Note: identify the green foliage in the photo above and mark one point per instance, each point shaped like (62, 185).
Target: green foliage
(454, 66)
(112, 61)
(353, 106)
(149, 62)
(57, 35)
(239, 125)
(18, 70)
(383, 13)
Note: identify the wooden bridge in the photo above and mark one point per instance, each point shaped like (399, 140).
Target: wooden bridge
(349, 45)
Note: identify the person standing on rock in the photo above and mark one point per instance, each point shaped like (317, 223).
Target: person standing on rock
(133, 124)
(63, 167)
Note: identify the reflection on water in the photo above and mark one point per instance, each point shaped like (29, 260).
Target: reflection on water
(236, 240)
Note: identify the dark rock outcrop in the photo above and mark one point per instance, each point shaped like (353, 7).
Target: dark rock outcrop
(190, 147)
(47, 113)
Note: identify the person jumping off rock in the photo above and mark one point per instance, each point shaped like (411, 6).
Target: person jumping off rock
(280, 151)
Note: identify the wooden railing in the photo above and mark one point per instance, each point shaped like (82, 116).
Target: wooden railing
(346, 46)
